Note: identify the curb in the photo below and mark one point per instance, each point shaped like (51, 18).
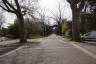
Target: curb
(85, 51)
(10, 52)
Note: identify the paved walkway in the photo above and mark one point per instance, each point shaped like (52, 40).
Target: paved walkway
(89, 45)
(9, 45)
(52, 50)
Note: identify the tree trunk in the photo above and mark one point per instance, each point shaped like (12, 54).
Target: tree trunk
(60, 29)
(22, 31)
(76, 26)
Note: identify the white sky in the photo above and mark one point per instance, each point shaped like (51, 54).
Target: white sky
(46, 4)
(9, 18)
(53, 6)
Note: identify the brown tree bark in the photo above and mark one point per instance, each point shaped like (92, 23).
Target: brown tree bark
(76, 25)
(7, 6)
(76, 6)
(59, 29)
(22, 31)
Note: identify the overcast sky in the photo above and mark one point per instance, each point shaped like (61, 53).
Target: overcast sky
(53, 6)
(46, 4)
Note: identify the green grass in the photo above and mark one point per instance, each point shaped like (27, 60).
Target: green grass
(69, 38)
(35, 36)
(66, 37)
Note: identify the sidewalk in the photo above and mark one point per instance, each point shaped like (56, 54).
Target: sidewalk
(51, 50)
(7, 46)
(90, 46)
(17, 40)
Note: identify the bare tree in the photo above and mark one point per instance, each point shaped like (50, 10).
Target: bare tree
(17, 7)
(76, 6)
(58, 17)
(42, 15)
(2, 21)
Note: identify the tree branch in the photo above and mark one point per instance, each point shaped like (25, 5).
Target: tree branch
(17, 4)
(6, 5)
(3, 7)
(81, 6)
(7, 9)
(69, 1)
(11, 6)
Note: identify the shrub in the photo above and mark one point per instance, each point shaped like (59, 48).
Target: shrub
(9, 36)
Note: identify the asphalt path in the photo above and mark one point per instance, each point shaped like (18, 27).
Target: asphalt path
(51, 50)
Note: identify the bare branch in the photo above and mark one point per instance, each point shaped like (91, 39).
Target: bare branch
(69, 1)
(8, 10)
(81, 6)
(17, 4)
(7, 3)
(3, 7)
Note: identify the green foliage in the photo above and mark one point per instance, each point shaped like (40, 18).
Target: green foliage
(1, 33)
(9, 36)
(88, 20)
(4, 31)
(88, 23)
(31, 28)
(30, 36)
(13, 30)
(67, 37)
(66, 26)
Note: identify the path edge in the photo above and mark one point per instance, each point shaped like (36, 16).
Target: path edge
(10, 52)
(85, 51)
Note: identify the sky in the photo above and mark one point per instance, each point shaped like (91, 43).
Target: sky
(53, 6)
(45, 4)
(9, 18)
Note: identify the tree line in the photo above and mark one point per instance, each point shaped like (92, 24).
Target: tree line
(83, 18)
(82, 10)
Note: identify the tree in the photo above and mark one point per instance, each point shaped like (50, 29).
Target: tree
(58, 17)
(88, 17)
(66, 27)
(42, 14)
(16, 7)
(76, 6)
(12, 30)
(1, 21)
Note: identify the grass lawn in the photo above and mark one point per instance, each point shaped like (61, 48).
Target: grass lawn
(35, 36)
(66, 37)
(69, 38)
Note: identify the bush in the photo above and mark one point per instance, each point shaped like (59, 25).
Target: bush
(9, 36)
(66, 27)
